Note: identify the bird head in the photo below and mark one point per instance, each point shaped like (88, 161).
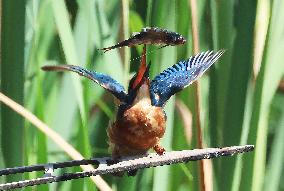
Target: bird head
(140, 79)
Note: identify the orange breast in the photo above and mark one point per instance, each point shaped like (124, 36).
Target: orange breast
(140, 129)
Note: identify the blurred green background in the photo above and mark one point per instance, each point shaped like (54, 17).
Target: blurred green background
(241, 100)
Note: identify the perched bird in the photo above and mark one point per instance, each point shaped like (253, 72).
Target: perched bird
(151, 35)
(141, 121)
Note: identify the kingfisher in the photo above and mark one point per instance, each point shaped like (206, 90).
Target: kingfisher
(141, 120)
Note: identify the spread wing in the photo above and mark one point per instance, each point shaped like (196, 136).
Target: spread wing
(103, 80)
(180, 75)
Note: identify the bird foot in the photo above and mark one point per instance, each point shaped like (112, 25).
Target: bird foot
(159, 149)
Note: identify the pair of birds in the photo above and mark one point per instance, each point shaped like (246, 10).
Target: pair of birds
(141, 121)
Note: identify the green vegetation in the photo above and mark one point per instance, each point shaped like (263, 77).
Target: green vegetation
(240, 100)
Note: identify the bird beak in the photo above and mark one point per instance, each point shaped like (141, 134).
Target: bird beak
(143, 70)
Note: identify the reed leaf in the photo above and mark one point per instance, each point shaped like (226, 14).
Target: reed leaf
(12, 81)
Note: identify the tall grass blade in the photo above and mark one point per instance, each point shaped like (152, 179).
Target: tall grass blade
(276, 159)
(71, 56)
(223, 35)
(12, 81)
(268, 79)
(239, 79)
(125, 24)
(237, 177)
(39, 34)
(68, 43)
(260, 32)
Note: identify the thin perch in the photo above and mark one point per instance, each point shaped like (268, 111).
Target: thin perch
(126, 164)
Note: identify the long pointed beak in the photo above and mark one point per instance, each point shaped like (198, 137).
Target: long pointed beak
(143, 69)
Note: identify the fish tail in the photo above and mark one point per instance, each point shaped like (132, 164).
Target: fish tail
(106, 49)
(119, 45)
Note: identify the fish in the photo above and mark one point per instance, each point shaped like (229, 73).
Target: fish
(151, 35)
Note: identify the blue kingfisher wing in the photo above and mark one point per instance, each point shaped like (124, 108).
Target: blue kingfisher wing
(180, 75)
(103, 80)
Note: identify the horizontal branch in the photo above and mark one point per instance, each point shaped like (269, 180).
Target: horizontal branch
(44, 167)
(127, 164)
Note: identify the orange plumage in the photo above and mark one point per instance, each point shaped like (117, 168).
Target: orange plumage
(140, 127)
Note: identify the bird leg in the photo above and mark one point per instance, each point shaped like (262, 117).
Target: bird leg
(158, 148)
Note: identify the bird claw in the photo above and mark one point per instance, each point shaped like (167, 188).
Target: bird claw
(159, 149)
